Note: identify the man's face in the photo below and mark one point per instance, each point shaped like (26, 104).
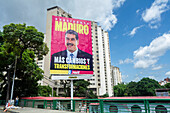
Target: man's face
(71, 42)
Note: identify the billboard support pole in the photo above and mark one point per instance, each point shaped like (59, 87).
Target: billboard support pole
(71, 94)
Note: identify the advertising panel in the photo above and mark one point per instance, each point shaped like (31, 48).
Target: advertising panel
(71, 47)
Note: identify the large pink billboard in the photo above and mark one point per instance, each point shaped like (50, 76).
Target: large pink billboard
(71, 46)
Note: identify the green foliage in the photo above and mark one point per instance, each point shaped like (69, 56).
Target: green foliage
(45, 91)
(91, 95)
(131, 89)
(105, 95)
(80, 89)
(1, 40)
(145, 87)
(167, 85)
(119, 90)
(19, 37)
(25, 43)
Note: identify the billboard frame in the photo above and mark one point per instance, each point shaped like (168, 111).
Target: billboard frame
(77, 71)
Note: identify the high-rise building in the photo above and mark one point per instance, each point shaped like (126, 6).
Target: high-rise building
(102, 82)
(116, 75)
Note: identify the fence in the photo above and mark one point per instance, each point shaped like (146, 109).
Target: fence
(160, 105)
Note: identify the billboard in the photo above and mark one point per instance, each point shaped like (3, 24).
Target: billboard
(71, 47)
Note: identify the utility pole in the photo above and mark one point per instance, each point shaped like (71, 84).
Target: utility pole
(13, 80)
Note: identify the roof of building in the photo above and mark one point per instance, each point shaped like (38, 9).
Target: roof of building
(162, 90)
(51, 98)
(53, 8)
(140, 97)
(119, 98)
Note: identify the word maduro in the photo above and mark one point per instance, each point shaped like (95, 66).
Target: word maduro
(72, 66)
(64, 26)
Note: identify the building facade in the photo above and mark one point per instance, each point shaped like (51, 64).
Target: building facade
(102, 82)
(116, 75)
(165, 81)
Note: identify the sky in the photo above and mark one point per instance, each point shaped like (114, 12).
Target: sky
(139, 30)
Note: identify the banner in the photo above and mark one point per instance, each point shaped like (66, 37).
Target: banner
(71, 46)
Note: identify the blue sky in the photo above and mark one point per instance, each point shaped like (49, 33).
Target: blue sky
(139, 30)
(140, 40)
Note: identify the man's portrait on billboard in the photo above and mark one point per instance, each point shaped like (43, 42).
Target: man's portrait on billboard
(72, 55)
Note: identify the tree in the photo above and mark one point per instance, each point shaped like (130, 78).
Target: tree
(105, 95)
(45, 91)
(119, 90)
(26, 44)
(91, 95)
(80, 88)
(167, 85)
(147, 86)
(131, 89)
(66, 85)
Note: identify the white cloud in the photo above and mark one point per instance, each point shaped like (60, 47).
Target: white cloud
(126, 61)
(124, 77)
(136, 79)
(152, 77)
(144, 63)
(148, 56)
(156, 67)
(118, 3)
(153, 14)
(100, 11)
(133, 32)
(108, 21)
(167, 73)
(121, 61)
(137, 11)
(34, 12)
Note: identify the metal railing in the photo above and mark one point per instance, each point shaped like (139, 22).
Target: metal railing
(102, 105)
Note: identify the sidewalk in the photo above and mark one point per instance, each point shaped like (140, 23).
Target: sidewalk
(34, 110)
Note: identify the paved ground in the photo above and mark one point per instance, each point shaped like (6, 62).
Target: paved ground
(34, 110)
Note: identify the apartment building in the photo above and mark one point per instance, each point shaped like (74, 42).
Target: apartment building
(116, 75)
(102, 79)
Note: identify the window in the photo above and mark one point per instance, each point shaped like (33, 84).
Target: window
(55, 83)
(61, 90)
